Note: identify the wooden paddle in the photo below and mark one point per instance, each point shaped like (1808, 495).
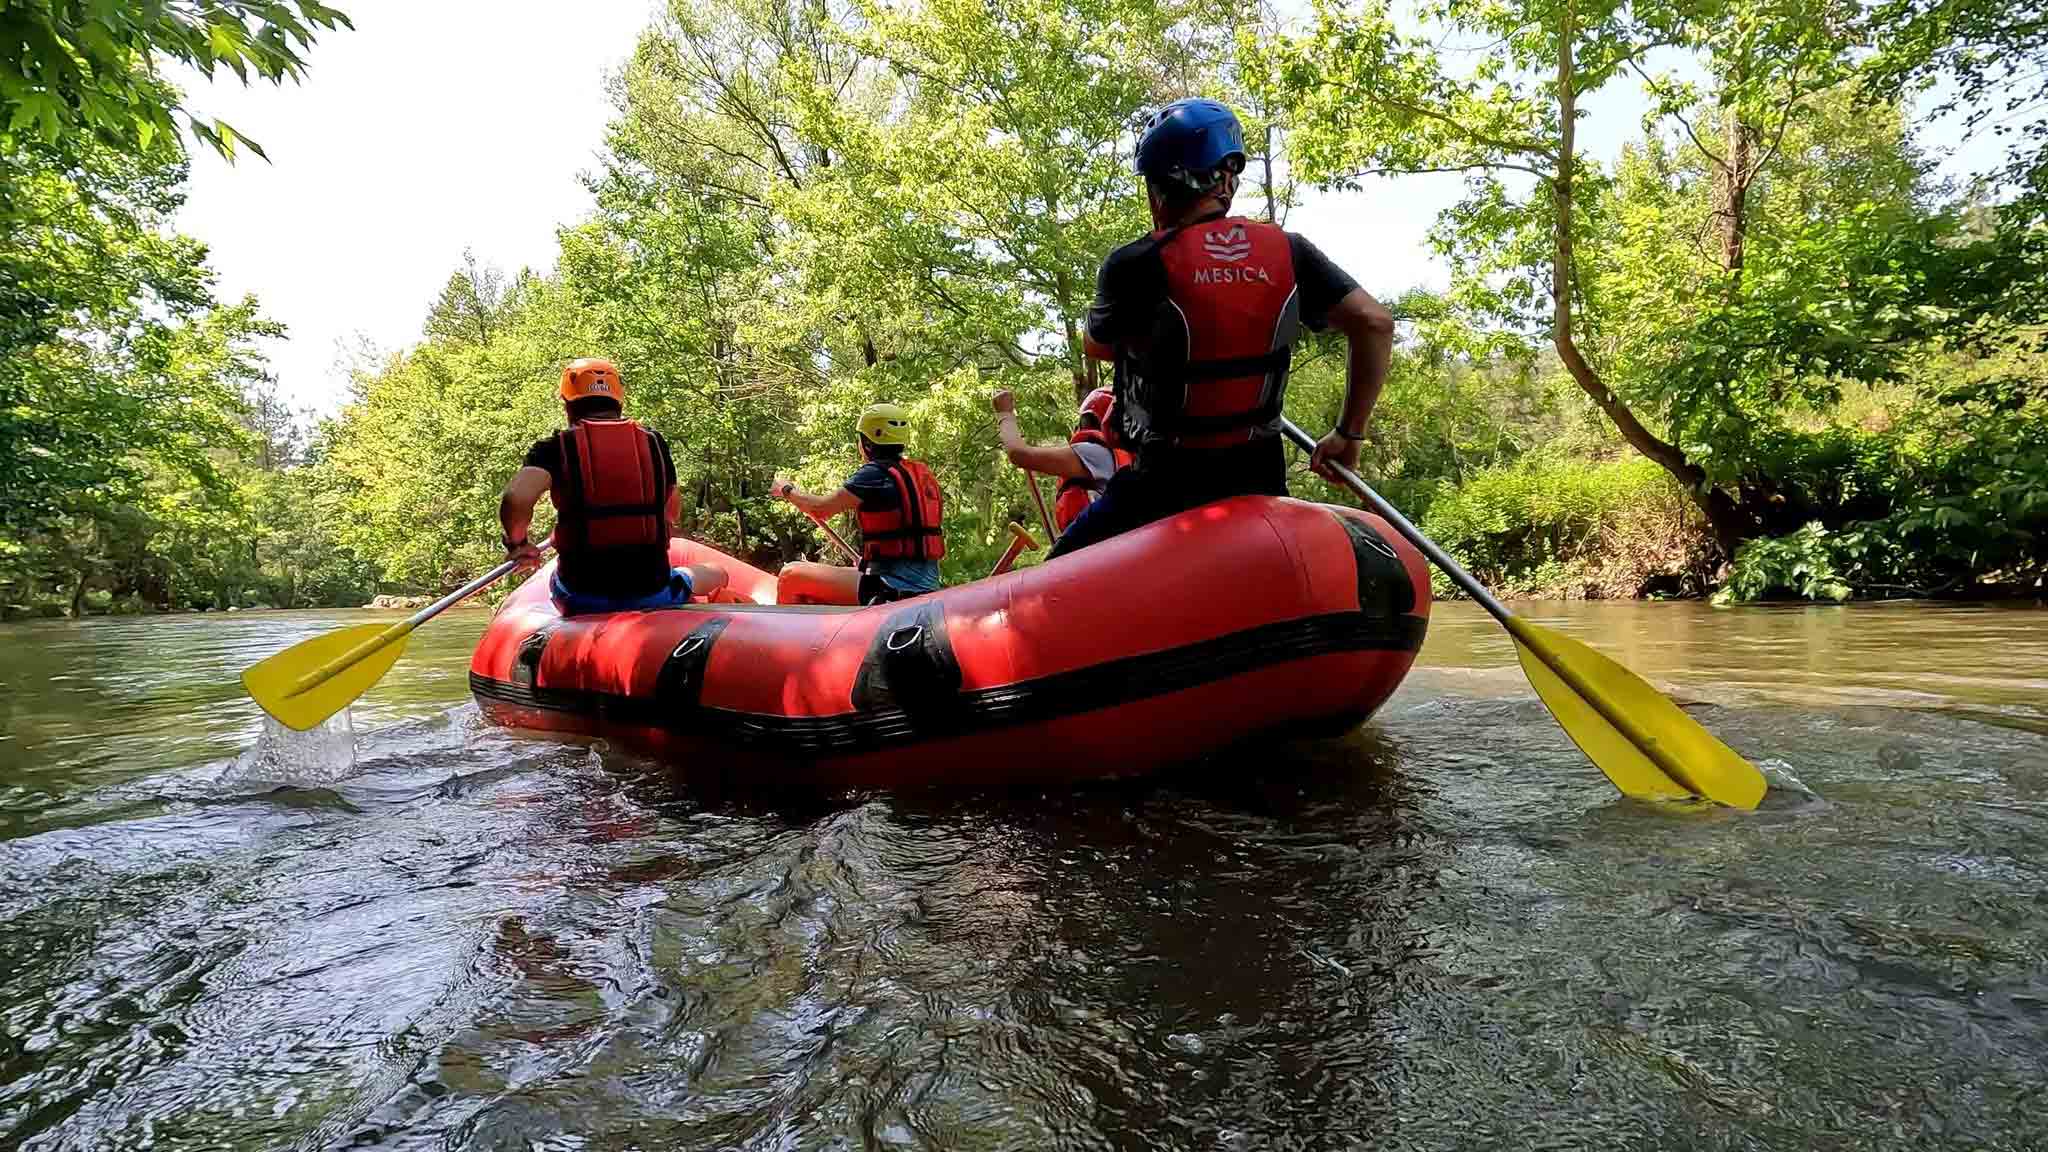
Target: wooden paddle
(1038, 498)
(1020, 541)
(1644, 743)
(313, 679)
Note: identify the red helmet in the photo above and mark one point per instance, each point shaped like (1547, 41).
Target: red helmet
(1099, 404)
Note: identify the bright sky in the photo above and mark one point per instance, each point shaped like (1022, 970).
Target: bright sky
(464, 124)
(433, 127)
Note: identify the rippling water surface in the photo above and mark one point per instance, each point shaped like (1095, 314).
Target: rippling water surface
(1444, 931)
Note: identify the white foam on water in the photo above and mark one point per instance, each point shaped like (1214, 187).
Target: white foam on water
(1780, 776)
(319, 755)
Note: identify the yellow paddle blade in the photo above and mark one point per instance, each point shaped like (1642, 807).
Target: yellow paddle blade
(1644, 743)
(271, 682)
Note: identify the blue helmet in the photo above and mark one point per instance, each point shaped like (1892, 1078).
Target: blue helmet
(1189, 144)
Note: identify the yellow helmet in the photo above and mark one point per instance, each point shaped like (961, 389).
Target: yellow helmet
(885, 424)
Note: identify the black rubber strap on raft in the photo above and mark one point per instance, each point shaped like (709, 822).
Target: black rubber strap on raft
(910, 666)
(681, 682)
(1385, 589)
(883, 719)
(881, 724)
(526, 662)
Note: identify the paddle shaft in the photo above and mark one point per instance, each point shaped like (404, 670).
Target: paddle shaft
(1392, 515)
(1038, 498)
(1019, 541)
(1571, 676)
(332, 668)
(837, 540)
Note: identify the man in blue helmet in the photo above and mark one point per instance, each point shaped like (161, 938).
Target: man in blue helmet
(1200, 318)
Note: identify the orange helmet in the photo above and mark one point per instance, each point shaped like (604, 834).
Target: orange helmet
(591, 378)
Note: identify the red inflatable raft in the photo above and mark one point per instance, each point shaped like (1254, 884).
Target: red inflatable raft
(1225, 621)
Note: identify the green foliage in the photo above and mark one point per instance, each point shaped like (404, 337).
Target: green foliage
(1814, 349)
(1773, 244)
(138, 429)
(802, 209)
(1802, 564)
(91, 68)
(1991, 54)
(1551, 525)
(1954, 495)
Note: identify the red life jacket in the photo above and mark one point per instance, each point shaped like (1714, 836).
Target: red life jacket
(1078, 492)
(613, 492)
(911, 530)
(1215, 371)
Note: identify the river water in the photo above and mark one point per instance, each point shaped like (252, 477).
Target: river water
(1444, 931)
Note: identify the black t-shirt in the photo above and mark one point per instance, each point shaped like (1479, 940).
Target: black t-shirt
(618, 572)
(873, 484)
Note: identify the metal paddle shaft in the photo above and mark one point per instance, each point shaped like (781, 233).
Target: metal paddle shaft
(1646, 744)
(1437, 556)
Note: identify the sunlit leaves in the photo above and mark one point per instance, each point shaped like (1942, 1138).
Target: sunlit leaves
(90, 67)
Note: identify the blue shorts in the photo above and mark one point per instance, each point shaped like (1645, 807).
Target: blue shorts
(676, 591)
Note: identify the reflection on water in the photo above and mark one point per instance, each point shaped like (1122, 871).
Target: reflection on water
(1444, 931)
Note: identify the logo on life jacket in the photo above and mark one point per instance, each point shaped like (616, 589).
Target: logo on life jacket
(1250, 275)
(1229, 244)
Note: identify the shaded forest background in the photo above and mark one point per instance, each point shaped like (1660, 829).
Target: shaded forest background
(1764, 353)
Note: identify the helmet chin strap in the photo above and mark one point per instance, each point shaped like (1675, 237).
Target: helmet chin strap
(1175, 213)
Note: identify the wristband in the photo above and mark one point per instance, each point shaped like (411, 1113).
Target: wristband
(1339, 430)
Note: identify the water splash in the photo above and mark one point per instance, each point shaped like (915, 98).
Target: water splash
(319, 755)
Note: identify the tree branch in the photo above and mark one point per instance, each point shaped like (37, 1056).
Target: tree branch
(1653, 84)
(1501, 144)
(1353, 175)
(1784, 123)
(1477, 137)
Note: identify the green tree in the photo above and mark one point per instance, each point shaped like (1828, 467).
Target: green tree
(1368, 98)
(1996, 54)
(92, 67)
(121, 381)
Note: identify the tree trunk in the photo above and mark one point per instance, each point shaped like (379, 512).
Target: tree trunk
(1732, 197)
(1077, 360)
(1077, 357)
(78, 596)
(1267, 161)
(1729, 525)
